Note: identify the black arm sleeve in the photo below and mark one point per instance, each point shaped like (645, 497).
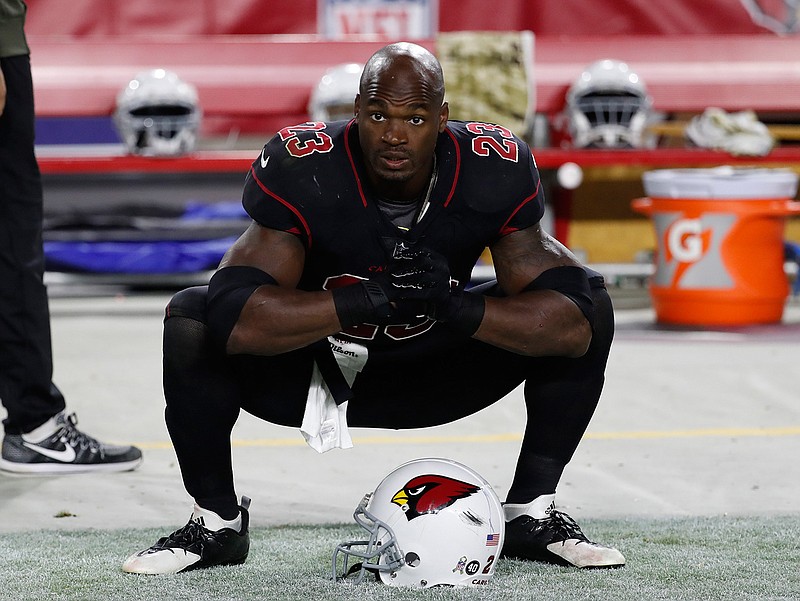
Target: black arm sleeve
(228, 291)
(570, 281)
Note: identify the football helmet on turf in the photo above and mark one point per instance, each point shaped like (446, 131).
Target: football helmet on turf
(157, 114)
(431, 522)
(333, 98)
(608, 107)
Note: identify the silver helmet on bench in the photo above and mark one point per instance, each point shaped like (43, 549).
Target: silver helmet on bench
(157, 114)
(608, 107)
(333, 98)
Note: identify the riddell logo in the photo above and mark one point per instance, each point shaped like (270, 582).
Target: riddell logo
(690, 250)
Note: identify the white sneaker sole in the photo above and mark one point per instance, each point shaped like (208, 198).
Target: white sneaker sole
(67, 468)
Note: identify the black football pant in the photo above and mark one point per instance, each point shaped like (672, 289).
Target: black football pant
(26, 365)
(444, 379)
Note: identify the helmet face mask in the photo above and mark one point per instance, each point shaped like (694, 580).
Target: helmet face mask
(157, 114)
(608, 107)
(380, 551)
(431, 522)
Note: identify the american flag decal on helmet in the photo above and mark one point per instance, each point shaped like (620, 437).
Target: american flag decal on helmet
(492, 540)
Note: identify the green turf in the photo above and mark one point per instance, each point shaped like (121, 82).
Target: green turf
(697, 559)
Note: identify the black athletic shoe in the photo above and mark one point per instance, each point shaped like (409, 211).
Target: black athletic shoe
(202, 543)
(553, 537)
(65, 450)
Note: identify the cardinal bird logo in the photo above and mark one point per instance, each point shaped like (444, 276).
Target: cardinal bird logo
(430, 494)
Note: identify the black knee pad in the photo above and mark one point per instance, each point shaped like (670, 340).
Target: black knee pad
(603, 325)
(190, 302)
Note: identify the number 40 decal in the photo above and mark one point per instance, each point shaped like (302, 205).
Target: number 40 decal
(483, 144)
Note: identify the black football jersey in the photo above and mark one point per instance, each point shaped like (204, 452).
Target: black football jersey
(310, 181)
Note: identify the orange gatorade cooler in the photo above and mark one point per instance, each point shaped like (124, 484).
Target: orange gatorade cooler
(719, 257)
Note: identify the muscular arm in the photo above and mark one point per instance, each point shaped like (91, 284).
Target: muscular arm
(535, 323)
(277, 319)
(2, 92)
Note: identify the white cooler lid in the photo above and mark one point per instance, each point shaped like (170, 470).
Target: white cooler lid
(731, 183)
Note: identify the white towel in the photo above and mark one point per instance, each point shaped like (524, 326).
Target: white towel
(324, 424)
(737, 133)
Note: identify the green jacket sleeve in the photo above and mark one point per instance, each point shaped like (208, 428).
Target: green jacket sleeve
(12, 28)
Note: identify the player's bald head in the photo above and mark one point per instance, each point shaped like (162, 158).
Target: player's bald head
(402, 63)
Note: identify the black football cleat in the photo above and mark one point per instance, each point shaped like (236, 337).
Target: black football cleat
(204, 542)
(538, 532)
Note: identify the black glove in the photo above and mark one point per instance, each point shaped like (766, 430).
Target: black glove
(419, 274)
(422, 278)
(416, 283)
(380, 300)
(374, 301)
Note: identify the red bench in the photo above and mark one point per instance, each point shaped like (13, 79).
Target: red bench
(263, 82)
(258, 84)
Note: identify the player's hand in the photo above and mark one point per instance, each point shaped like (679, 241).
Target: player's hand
(420, 274)
(415, 283)
(420, 281)
(374, 301)
(365, 301)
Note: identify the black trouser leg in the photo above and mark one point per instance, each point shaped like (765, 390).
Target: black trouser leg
(26, 365)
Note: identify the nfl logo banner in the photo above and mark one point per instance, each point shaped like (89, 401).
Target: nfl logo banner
(395, 19)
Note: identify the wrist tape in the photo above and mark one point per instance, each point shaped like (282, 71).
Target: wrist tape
(362, 302)
(469, 314)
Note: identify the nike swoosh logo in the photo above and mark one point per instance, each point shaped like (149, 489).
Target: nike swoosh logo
(65, 456)
(264, 160)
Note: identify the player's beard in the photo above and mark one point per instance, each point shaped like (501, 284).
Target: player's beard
(382, 165)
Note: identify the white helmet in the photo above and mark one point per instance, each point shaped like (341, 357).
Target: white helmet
(608, 107)
(431, 522)
(157, 114)
(333, 98)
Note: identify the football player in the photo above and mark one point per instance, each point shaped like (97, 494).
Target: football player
(363, 239)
